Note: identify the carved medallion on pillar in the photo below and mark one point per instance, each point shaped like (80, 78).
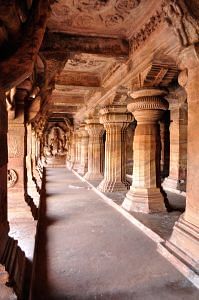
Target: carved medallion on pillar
(144, 195)
(115, 119)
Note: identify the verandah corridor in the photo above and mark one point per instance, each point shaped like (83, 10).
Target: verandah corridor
(87, 250)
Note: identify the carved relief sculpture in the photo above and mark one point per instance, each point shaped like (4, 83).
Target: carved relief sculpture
(184, 25)
(12, 178)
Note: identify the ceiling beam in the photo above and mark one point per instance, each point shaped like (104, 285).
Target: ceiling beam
(112, 47)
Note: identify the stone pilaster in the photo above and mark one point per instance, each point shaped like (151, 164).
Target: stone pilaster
(115, 120)
(3, 172)
(178, 148)
(83, 168)
(95, 130)
(144, 194)
(184, 241)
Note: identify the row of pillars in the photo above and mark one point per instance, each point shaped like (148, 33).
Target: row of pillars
(145, 194)
(147, 106)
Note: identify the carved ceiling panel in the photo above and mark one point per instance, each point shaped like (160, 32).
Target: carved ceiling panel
(100, 17)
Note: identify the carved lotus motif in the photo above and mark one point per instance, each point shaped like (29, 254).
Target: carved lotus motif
(12, 178)
(126, 5)
(90, 5)
(113, 20)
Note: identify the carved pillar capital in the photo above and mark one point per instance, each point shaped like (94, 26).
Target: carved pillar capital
(115, 114)
(93, 126)
(148, 105)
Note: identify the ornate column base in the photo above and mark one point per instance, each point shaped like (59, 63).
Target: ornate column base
(144, 200)
(182, 249)
(93, 176)
(107, 186)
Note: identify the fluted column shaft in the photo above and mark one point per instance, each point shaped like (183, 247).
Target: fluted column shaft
(84, 151)
(95, 130)
(115, 120)
(144, 194)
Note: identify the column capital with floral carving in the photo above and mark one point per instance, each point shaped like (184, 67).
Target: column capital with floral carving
(148, 104)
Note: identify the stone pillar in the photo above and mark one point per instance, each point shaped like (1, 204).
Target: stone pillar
(33, 154)
(16, 149)
(115, 120)
(4, 228)
(184, 240)
(71, 151)
(30, 188)
(165, 143)
(178, 148)
(95, 130)
(83, 168)
(77, 139)
(144, 194)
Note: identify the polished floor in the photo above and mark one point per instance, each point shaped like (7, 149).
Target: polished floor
(87, 250)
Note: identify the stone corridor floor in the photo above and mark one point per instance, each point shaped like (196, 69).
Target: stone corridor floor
(87, 250)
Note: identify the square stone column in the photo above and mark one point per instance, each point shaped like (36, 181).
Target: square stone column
(178, 148)
(115, 120)
(16, 150)
(4, 228)
(83, 134)
(144, 194)
(95, 130)
(184, 241)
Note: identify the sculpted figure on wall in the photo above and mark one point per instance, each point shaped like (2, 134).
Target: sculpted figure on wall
(56, 143)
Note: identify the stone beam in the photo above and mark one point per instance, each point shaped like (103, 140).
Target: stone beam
(63, 109)
(96, 45)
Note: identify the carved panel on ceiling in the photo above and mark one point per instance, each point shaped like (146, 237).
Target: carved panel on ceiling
(83, 79)
(90, 5)
(84, 63)
(96, 13)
